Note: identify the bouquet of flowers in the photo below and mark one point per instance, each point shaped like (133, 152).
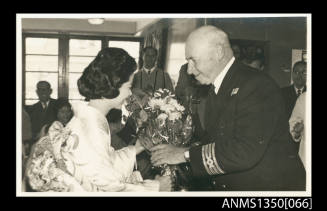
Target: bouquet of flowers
(162, 120)
(48, 168)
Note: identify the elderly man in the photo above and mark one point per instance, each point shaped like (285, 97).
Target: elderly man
(247, 146)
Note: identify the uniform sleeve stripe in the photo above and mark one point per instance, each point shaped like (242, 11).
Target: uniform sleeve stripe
(220, 171)
(204, 160)
(209, 160)
(211, 157)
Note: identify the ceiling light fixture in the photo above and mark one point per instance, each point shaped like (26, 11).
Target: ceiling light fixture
(96, 21)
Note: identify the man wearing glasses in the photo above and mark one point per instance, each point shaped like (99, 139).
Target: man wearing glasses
(291, 93)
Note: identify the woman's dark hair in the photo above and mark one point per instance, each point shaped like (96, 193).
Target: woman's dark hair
(60, 103)
(106, 73)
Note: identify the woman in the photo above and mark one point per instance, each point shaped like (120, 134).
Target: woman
(94, 164)
(63, 112)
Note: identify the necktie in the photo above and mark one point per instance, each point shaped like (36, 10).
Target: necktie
(44, 105)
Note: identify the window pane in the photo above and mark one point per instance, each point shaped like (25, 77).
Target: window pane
(84, 47)
(42, 46)
(177, 51)
(73, 88)
(174, 65)
(132, 47)
(33, 78)
(78, 64)
(30, 102)
(42, 63)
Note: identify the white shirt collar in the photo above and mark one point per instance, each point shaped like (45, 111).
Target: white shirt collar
(220, 77)
(296, 89)
(43, 104)
(151, 70)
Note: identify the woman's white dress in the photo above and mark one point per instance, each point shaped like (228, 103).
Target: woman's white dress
(93, 162)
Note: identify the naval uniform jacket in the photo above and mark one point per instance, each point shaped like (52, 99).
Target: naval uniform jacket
(247, 146)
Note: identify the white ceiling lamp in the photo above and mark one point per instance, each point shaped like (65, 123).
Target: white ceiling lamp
(96, 21)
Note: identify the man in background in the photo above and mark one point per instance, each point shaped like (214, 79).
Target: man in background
(292, 92)
(192, 95)
(42, 112)
(237, 51)
(150, 78)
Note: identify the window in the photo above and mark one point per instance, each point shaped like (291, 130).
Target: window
(132, 47)
(41, 63)
(81, 53)
(176, 60)
(61, 59)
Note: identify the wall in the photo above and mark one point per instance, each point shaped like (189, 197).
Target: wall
(177, 34)
(283, 34)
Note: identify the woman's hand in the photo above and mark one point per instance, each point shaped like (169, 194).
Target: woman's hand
(165, 183)
(298, 130)
(139, 147)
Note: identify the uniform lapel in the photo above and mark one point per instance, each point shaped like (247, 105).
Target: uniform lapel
(218, 101)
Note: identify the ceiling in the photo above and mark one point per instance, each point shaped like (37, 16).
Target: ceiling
(141, 23)
(127, 26)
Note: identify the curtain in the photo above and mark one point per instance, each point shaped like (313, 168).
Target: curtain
(156, 40)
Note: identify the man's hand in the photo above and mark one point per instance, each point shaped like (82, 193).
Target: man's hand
(298, 130)
(146, 142)
(166, 153)
(298, 127)
(139, 147)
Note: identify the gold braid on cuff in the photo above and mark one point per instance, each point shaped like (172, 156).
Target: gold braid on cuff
(209, 160)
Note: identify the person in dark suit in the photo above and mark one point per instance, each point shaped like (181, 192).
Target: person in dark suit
(151, 78)
(292, 92)
(146, 81)
(192, 95)
(247, 146)
(42, 112)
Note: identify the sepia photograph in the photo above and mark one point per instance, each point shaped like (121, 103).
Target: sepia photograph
(163, 105)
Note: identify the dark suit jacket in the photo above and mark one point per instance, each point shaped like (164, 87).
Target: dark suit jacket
(157, 79)
(40, 117)
(290, 98)
(186, 86)
(248, 146)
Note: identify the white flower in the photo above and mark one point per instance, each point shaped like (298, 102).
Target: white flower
(162, 116)
(167, 108)
(162, 119)
(174, 102)
(153, 103)
(174, 116)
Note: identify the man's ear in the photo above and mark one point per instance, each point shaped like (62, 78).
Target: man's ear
(50, 91)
